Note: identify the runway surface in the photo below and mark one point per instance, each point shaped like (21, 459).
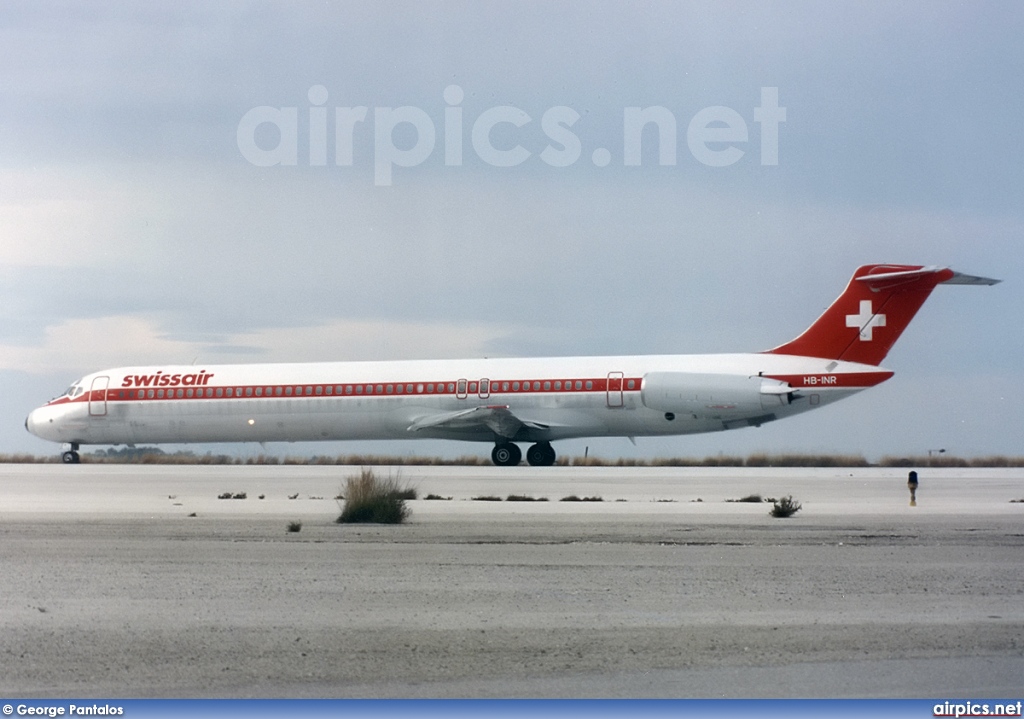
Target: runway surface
(111, 588)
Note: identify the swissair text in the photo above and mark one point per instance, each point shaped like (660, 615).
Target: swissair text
(167, 380)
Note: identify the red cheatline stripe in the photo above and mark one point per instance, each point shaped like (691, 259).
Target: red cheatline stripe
(363, 389)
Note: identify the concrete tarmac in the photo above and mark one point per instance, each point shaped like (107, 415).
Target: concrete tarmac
(137, 581)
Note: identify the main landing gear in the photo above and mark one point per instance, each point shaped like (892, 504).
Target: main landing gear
(506, 454)
(71, 456)
(541, 454)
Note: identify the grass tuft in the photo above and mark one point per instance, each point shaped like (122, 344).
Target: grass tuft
(294, 526)
(785, 507)
(373, 499)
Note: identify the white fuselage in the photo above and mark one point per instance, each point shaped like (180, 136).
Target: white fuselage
(554, 398)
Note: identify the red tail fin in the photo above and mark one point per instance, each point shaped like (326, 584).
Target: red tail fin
(865, 321)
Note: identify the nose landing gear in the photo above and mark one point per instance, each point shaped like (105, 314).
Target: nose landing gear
(71, 456)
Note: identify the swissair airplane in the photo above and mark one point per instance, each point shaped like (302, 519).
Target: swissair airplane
(502, 401)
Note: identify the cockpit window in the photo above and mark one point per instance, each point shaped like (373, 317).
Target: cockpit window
(74, 390)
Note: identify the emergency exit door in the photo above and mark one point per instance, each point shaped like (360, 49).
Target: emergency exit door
(614, 389)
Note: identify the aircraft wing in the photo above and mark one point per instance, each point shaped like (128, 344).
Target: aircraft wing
(497, 418)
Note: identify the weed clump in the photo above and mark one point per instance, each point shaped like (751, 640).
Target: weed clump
(785, 507)
(373, 499)
(750, 498)
(294, 526)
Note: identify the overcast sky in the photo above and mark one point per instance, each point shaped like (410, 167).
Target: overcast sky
(192, 181)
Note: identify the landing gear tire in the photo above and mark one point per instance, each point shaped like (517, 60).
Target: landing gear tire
(506, 455)
(541, 454)
(70, 457)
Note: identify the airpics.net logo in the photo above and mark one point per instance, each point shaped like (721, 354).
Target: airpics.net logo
(716, 136)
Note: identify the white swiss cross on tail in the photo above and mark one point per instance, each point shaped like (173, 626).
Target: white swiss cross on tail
(866, 321)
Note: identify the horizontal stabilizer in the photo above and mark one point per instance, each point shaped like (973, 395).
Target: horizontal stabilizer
(959, 278)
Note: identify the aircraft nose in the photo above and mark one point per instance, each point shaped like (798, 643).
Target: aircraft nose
(36, 424)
